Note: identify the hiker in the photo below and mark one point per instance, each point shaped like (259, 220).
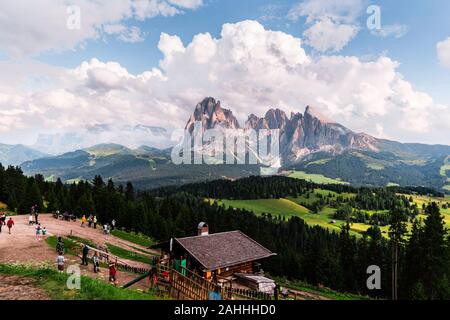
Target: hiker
(60, 262)
(112, 273)
(38, 231)
(10, 224)
(36, 213)
(30, 220)
(83, 220)
(60, 246)
(95, 222)
(96, 261)
(106, 229)
(90, 221)
(84, 260)
(44, 232)
(113, 224)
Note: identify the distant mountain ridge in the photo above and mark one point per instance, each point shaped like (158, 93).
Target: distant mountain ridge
(17, 154)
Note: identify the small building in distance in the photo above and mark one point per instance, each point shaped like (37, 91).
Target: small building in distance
(219, 254)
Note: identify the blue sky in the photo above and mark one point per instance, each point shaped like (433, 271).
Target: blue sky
(391, 83)
(427, 22)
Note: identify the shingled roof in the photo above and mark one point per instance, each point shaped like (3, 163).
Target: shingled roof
(221, 250)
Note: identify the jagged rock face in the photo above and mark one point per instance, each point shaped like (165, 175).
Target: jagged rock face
(212, 115)
(300, 135)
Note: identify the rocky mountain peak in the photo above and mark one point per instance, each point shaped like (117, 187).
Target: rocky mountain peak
(211, 114)
(311, 112)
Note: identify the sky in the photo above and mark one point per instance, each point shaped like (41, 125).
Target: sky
(86, 72)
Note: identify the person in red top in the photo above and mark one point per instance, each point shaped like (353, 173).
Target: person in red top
(10, 224)
(112, 273)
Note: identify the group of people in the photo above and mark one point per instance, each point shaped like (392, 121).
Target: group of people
(6, 222)
(92, 220)
(33, 219)
(96, 262)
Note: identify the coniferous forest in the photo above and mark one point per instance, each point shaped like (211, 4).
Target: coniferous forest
(315, 255)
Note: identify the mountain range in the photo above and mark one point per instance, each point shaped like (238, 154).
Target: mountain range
(309, 142)
(17, 154)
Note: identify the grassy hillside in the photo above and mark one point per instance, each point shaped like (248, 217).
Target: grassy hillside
(54, 284)
(316, 178)
(296, 206)
(291, 207)
(133, 237)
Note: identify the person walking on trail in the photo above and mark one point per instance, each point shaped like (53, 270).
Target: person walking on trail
(36, 213)
(113, 224)
(10, 224)
(85, 252)
(95, 222)
(44, 232)
(30, 220)
(96, 262)
(83, 220)
(60, 246)
(38, 231)
(113, 273)
(60, 262)
(90, 221)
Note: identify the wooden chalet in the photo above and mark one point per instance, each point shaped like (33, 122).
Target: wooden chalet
(219, 254)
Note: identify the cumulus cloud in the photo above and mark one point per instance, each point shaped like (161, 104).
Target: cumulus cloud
(332, 23)
(250, 69)
(325, 35)
(443, 51)
(39, 30)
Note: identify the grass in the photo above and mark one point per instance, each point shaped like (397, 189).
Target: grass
(71, 244)
(318, 162)
(282, 207)
(295, 206)
(54, 284)
(324, 292)
(129, 255)
(132, 237)
(316, 178)
(289, 208)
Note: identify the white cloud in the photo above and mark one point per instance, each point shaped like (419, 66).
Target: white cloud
(332, 23)
(41, 25)
(248, 68)
(188, 4)
(443, 51)
(343, 11)
(393, 30)
(325, 35)
(124, 33)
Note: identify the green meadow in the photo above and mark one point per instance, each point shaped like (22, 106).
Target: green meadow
(296, 207)
(316, 178)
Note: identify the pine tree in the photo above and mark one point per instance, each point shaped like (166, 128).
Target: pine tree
(435, 281)
(397, 232)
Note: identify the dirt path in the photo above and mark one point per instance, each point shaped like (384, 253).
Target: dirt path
(21, 247)
(16, 288)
